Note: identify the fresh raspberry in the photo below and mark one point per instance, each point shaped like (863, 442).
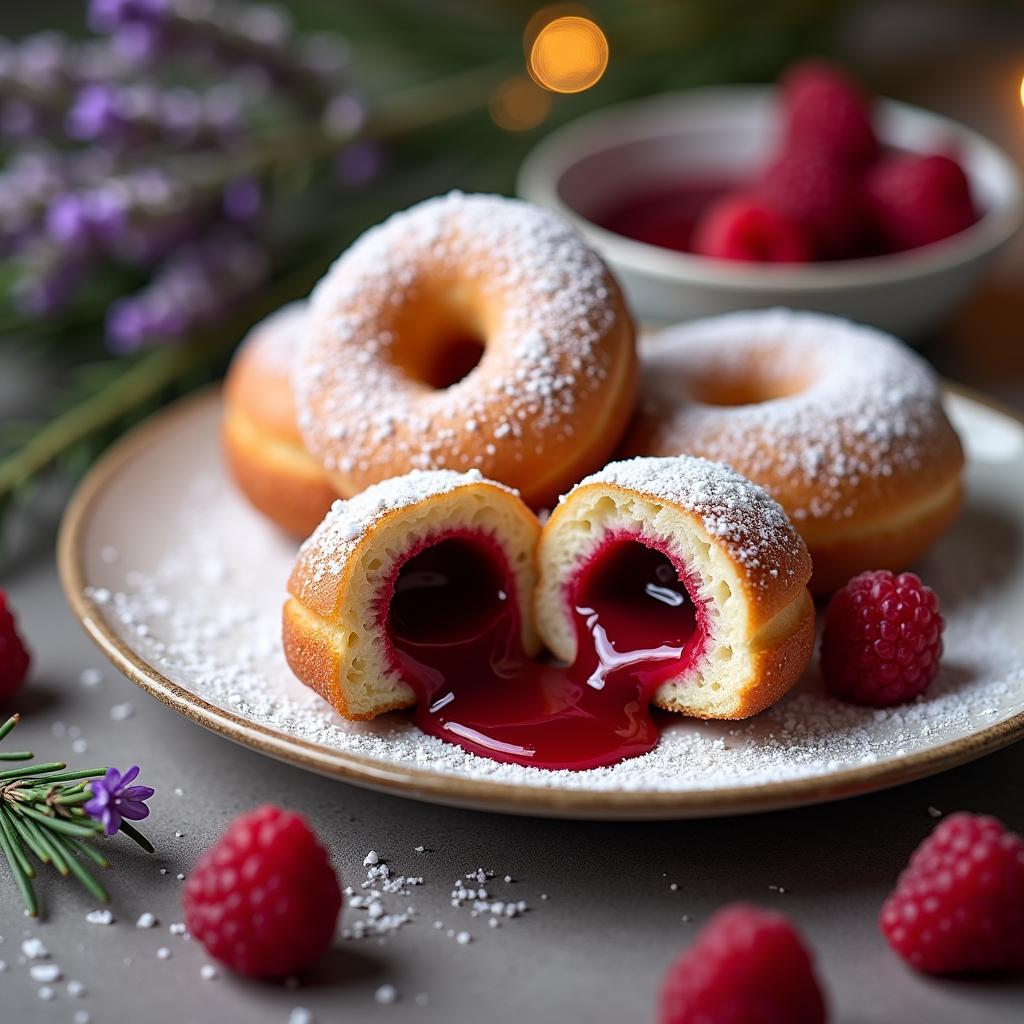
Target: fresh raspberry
(916, 200)
(14, 656)
(747, 966)
(264, 899)
(825, 111)
(821, 195)
(882, 640)
(739, 227)
(958, 907)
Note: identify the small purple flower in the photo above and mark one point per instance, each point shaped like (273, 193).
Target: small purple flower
(114, 798)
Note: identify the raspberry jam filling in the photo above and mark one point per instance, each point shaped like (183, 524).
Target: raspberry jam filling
(454, 628)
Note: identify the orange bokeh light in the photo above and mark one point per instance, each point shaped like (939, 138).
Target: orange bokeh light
(519, 104)
(568, 54)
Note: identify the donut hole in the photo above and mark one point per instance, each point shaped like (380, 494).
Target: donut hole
(438, 340)
(452, 360)
(746, 390)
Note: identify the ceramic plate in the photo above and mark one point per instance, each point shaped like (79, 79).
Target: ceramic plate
(181, 583)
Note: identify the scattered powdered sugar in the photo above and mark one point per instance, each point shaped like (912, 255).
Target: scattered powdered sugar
(743, 516)
(221, 641)
(375, 897)
(865, 407)
(551, 347)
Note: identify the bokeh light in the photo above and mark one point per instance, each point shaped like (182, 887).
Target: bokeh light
(519, 104)
(568, 54)
(1022, 91)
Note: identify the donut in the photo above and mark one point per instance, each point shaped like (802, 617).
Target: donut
(342, 585)
(468, 332)
(743, 568)
(260, 436)
(842, 424)
(673, 581)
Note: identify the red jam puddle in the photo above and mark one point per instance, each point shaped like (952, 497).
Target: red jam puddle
(454, 629)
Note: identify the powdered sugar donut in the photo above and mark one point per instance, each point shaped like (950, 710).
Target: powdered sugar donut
(744, 567)
(389, 380)
(841, 423)
(261, 437)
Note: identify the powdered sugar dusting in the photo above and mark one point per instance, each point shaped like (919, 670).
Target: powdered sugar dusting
(325, 552)
(218, 635)
(737, 512)
(870, 407)
(365, 417)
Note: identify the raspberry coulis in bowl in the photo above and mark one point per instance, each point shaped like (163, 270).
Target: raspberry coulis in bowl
(454, 631)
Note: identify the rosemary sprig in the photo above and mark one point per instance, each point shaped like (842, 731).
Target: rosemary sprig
(43, 815)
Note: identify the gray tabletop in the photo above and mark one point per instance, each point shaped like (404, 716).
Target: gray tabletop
(621, 899)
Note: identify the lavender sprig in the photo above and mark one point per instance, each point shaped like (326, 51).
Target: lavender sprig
(132, 164)
(53, 815)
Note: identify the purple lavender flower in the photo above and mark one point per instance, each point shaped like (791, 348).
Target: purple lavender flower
(114, 798)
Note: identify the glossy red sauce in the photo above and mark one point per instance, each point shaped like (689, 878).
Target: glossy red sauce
(454, 628)
(665, 215)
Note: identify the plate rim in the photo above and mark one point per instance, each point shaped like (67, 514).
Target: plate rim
(454, 790)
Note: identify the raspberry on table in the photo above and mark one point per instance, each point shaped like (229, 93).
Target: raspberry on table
(823, 109)
(740, 227)
(264, 899)
(747, 966)
(958, 907)
(819, 193)
(882, 641)
(14, 656)
(915, 200)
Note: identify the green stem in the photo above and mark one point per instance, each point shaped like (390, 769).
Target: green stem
(21, 879)
(28, 836)
(9, 725)
(84, 848)
(17, 755)
(68, 828)
(12, 838)
(82, 773)
(133, 833)
(36, 769)
(79, 871)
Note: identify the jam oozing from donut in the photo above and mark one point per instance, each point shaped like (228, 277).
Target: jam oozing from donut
(454, 629)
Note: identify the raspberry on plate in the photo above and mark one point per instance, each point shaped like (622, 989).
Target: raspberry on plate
(882, 640)
(820, 194)
(14, 656)
(824, 110)
(958, 907)
(747, 966)
(740, 227)
(264, 899)
(916, 200)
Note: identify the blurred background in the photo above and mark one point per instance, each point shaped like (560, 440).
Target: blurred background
(172, 170)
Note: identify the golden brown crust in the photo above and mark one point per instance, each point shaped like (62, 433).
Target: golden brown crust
(260, 437)
(778, 667)
(843, 425)
(555, 386)
(313, 655)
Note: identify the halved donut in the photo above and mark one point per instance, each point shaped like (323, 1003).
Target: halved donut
(260, 435)
(666, 580)
(469, 332)
(338, 635)
(842, 424)
(723, 554)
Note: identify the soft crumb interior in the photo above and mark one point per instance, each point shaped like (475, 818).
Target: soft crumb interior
(713, 683)
(368, 678)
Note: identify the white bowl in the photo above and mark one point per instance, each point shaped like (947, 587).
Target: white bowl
(582, 168)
